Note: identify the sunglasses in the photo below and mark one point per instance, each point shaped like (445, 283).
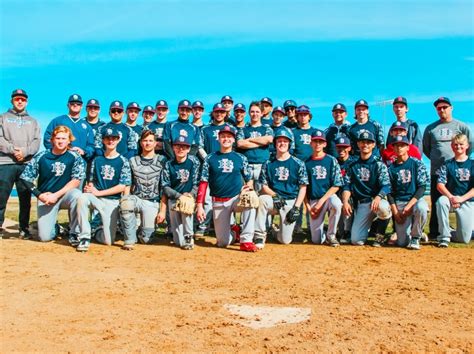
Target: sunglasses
(115, 111)
(441, 108)
(20, 99)
(75, 104)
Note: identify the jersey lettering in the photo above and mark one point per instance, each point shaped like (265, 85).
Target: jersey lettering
(305, 139)
(226, 165)
(364, 174)
(183, 132)
(463, 174)
(405, 176)
(319, 172)
(255, 134)
(107, 172)
(58, 168)
(282, 173)
(183, 175)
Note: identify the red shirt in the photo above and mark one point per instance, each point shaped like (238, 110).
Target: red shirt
(389, 156)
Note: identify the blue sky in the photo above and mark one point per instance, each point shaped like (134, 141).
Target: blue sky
(315, 52)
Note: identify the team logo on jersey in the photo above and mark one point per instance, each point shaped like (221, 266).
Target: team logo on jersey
(159, 132)
(255, 134)
(84, 126)
(282, 173)
(463, 174)
(404, 176)
(183, 175)
(215, 134)
(226, 165)
(107, 172)
(319, 172)
(364, 174)
(305, 139)
(445, 133)
(183, 132)
(58, 168)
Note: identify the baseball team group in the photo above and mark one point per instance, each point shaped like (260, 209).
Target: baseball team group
(249, 179)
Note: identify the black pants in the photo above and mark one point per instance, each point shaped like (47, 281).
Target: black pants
(434, 196)
(9, 175)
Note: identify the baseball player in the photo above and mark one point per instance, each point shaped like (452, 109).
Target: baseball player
(339, 127)
(365, 123)
(92, 118)
(456, 185)
(127, 144)
(254, 140)
(110, 176)
(20, 138)
(181, 178)
(224, 172)
(303, 133)
(409, 178)
(228, 103)
(290, 111)
(389, 155)
(147, 114)
(158, 125)
(239, 116)
(400, 109)
(437, 147)
(133, 110)
(143, 197)
(278, 114)
(283, 180)
(198, 110)
(368, 183)
(59, 172)
(325, 180)
(83, 143)
(267, 105)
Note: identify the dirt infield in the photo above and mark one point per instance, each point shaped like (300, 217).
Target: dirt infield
(160, 298)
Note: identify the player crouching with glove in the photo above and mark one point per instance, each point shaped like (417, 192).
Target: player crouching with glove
(283, 180)
(180, 181)
(224, 172)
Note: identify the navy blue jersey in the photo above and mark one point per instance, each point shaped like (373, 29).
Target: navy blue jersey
(303, 149)
(95, 126)
(174, 130)
(366, 179)
(225, 173)
(331, 133)
(344, 165)
(457, 176)
(128, 144)
(182, 177)
(137, 129)
(284, 177)
(268, 120)
(406, 178)
(107, 173)
(370, 126)
(259, 154)
(83, 134)
(157, 128)
(54, 171)
(289, 124)
(210, 137)
(323, 174)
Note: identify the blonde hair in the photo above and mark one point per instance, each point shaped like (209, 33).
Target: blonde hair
(62, 129)
(460, 138)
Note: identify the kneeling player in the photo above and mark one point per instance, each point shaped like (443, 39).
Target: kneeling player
(409, 178)
(283, 180)
(225, 171)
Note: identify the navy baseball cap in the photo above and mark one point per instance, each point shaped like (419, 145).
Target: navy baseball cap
(185, 104)
(93, 103)
(267, 100)
(198, 104)
(148, 109)
(19, 92)
(161, 104)
(342, 140)
(110, 130)
(283, 132)
(116, 105)
(303, 109)
(318, 134)
(289, 103)
(339, 107)
(75, 98)
(361, 103)
(228, 129)
(218, 107)
(366, 135)
(399, 125)
(239, 107)
(182, 140)
(400, 99)
(227, 98)
(441, 100)
(134, 105)
(279, 109)
(400, 140)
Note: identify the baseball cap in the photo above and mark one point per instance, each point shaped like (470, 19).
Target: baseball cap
(161, 104)
(342, 140)
(401, 139)
(279, 109)
(218, 107)
(185, 104)
(148, 108)
(339, 107)
(228, 129)
(303, 109)
(239, 107)
(198, 104)
(289, 103)
(116, 105)
(110, 130)
(93, 103)
(318, 134)
(227, 98)
(442, 99)
(182, 140)
(75, 98)
(268, 100)
(134, 105)
(366, 135)
(399, 125)
(283, 132)
(361, 103)
(400, 99)
(19, 92)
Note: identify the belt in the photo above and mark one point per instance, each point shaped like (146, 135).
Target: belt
(365, 200)
(217, 199)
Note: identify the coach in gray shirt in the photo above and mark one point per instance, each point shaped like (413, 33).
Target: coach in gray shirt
(437, 147)
(20, 138)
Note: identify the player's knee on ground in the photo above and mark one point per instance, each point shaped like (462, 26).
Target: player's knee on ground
(144, 234)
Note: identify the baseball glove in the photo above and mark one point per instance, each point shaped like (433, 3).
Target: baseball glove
(185, 204)
(248, 199)
(292, 215)
(278, 202)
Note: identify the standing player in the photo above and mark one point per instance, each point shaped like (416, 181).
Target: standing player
(303, 133)
(339, 127)
(224, 172)
(147, 114)
(368, 183)
(228, 103)
(267, 105)
(110, 174)
(325, 180)
(239, 116)
(400, 108)
(198, 110)
(158, 125)
(92, 118)
(144, 195)
(20, 138)
(409, 178)
(59, 172)
(278, 114)
(290, 111)
(398, 129)
(283, 180)
(181, 178)
(133, 110)
(456, 185)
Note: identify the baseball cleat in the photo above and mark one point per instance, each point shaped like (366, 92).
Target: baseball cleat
(443, 244)
(414, 244)
(73, 240)
(83, 245)
(259, 243)
(333, 242)
(248, 247)
(235, 232)
(25, 234)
